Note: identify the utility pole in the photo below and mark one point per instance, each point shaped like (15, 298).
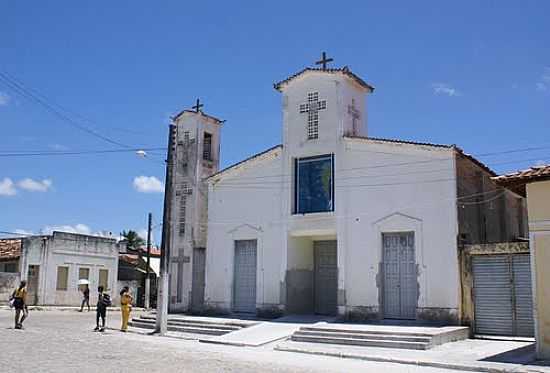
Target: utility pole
(163, 297)
(147, 274)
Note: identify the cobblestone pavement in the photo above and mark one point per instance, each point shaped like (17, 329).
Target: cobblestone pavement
(63, 341)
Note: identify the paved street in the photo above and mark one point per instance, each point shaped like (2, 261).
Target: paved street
(63, 341)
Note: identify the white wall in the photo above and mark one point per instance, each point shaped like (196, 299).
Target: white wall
(419, 195)
(72, 251)
(240, 210)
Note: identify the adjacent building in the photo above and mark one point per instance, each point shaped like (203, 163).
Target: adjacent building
(535, 183)
(53, 264)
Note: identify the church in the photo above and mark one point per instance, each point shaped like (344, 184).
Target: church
(331, 221)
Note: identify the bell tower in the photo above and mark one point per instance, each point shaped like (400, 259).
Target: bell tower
(196, 157)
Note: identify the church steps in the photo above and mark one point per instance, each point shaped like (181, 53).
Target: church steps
(188, 325)
(415, 338)
(365, 335)
(179, 328)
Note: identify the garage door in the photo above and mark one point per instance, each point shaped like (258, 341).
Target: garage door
(244, 284)
(326, 277)
(502, 295)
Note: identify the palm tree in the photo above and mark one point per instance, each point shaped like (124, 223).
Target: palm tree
(133, 240)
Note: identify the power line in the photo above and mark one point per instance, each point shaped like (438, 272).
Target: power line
(54, 109)
(63, 153)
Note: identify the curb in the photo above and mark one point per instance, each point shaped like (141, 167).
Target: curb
(434, 364)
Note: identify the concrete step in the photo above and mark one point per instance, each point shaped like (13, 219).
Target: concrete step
(179, 328)
(186, 323)
(364, 335)
(361, 331)
(192, 321)
(361, 342)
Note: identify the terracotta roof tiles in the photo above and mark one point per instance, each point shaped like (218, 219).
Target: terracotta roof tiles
(10, 249)
(344, 70)
(535, 173)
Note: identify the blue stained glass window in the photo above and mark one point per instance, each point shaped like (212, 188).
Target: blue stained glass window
(314, 185)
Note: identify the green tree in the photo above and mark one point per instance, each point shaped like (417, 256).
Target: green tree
(133, 240)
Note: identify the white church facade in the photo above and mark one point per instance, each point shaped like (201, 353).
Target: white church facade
(335, 222)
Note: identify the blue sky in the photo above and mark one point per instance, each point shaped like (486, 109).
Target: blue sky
(472, 73)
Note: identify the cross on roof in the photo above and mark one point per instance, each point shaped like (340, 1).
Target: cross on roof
(324, 60)
(198, 106)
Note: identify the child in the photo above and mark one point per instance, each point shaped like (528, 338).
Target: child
(103, 301)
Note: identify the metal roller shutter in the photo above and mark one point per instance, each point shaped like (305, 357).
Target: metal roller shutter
(502, 295)
(493, 295)
(523, 296)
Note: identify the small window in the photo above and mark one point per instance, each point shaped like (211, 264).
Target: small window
(314, 184)
(62, 278)
(207, 147)
(183, 213)
(84, 273)
(104, 278)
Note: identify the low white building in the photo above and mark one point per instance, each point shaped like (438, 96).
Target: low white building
(335, 222)
(53, 265)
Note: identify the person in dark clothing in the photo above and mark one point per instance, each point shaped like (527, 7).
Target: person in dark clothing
(103, 301)
(86, 299)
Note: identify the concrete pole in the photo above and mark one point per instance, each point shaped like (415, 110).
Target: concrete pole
(147, 274)
(163, 296)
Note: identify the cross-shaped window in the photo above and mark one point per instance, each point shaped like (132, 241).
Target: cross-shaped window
(355, 115)
(312, 107)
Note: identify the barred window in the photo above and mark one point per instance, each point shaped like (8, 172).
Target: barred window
(183, 212)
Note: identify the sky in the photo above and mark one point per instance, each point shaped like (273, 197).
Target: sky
(471, 73)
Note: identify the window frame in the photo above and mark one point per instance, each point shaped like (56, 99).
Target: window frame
(87, 269)
(296, 209)
(106, 285)
(207, 152)
(57, 282)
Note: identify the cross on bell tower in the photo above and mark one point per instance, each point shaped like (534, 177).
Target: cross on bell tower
(324, 60)
(198, 106)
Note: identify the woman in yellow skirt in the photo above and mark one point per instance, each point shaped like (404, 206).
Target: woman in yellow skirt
(125, 307)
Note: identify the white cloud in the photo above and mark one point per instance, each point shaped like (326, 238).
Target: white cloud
(445, 89)
(148, 184)
(4, 99)
(78, 228)
(34, 185)
(23, 232)
(544, 83)
(7, 187)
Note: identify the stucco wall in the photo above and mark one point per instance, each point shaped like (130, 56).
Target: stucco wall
(239, 210)
(397, 188)
(8, 283)
(538, 196)
(73, 251)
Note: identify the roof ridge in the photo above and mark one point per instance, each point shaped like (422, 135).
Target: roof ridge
(345, 70)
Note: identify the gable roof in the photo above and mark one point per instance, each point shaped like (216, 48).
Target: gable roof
(535, 173)
(10, 249)
(249, 160)
(343, 71)
(445, 146)
(175, 117)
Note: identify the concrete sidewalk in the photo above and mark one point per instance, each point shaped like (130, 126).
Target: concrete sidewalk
(69, 308)
(467, 355)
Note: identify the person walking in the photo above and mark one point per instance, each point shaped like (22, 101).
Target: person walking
(20, 304)
(103, 301)
(86, 299)
(125, 307)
